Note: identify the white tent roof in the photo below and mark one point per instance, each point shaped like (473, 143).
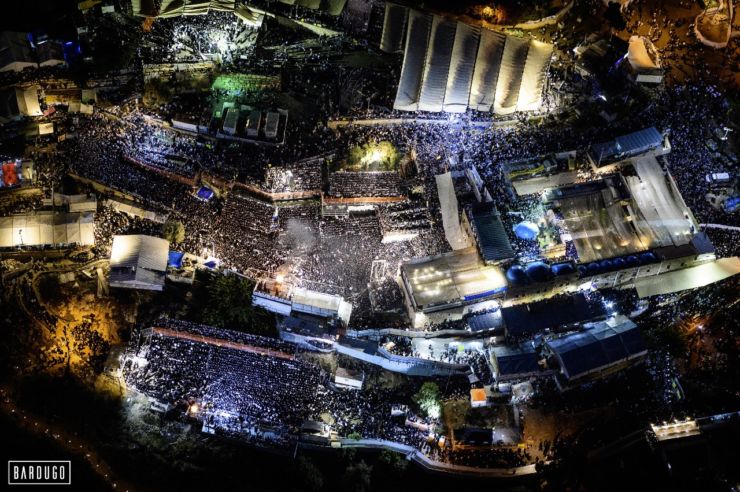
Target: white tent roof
(173, 8)
(394, 28)
(437, 65)
(319, 303)
(417, 39)
(28, 101)
(487, 64)
(510, 75)
(462, 64)
(453, 66)
(641, 54)
(42, 228)
(450, 212)
(533, 78)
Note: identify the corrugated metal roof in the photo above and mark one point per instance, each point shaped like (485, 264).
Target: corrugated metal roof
(639, 141)
(140, 251)
(527, 319)
(627, 145)
(493, 241)
(517, 360)
(600, 346)
(139, 261)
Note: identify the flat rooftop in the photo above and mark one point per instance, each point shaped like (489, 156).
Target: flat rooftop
(625, 213)
(452, 277)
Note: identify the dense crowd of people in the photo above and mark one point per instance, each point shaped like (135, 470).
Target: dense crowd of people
(132, 152)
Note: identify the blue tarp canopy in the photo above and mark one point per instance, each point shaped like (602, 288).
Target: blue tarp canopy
(539, 271)
(732, 204)
(205, 193)
(483, 322)
(174, 259)
(517, 275)
(526, 230)
(563, 269)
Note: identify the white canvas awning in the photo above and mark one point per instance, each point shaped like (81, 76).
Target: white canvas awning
(641, 54)
(450, 212)
(510, 75)
(487, 65)
(28, 101)
(534, 76)
(437, 65)
(46, 228)
(412, 69)
(462, 64)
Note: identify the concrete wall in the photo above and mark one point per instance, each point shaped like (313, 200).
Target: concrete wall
(423, 460)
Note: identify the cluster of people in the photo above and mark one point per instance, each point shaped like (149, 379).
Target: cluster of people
(220, 36)
(219, 377)
(303, 176)
(252, 379)
(359, 184)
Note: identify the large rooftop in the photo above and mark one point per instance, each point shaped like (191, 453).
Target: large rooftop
(453, 277)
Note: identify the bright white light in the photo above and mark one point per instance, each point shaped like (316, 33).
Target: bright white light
(374, 156)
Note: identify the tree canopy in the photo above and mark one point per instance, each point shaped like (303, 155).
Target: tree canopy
(429, 399)
(230, 306)
(173, 231)
(373, 156)
(357, 477)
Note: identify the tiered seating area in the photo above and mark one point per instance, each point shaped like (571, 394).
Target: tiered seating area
(376, 184)
(339, 227)
(302, 176)
(405, 215)
(225, 371)
(173, 370)
(264, 389)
